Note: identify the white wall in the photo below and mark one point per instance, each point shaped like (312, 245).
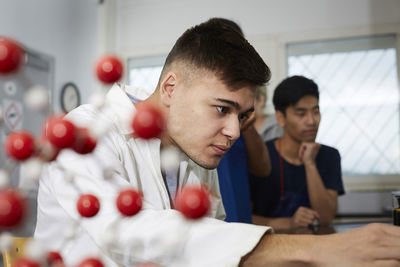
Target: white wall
(148, 27)
(155, 22)
(64, 29)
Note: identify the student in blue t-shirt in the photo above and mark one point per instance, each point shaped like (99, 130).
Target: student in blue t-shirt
(305, 178)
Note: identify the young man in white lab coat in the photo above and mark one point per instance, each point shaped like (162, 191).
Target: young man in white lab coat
(206, 91)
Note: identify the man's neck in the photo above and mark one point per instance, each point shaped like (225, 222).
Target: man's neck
(289, 149)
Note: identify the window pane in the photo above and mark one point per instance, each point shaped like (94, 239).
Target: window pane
(146, 78)
(144, 72)
(359, 99)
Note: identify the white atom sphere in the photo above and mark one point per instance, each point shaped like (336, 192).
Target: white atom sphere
(4, 178)
(69, 232)
(108, 173)
(108, 237)
(48, 151)
(99, 129)
(170, 159)
(97, 99)
(33, 169)
(6, 241)
(35, 250)
(37, 98)
(69, 177)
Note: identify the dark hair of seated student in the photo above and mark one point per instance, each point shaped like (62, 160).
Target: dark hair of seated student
(291, 90)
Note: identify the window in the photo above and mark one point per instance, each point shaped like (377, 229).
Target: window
(144, 72)
(359, 99)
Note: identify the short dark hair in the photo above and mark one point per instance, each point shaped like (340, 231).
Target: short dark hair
(230, 23)
(218, 47)
(291, 90)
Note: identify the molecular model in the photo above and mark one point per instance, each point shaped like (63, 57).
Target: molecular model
(21, 147)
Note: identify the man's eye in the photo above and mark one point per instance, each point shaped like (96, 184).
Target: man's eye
(243, 116)
(300, 114)
(222, 109)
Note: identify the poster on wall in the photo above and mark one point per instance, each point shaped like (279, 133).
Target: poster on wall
(13, 114)
(38, 69)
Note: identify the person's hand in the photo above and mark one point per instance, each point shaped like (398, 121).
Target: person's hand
(248, 122)
(303, 217)
(308, 152)
(371, 245)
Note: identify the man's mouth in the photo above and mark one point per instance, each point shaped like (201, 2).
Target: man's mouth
(310, 132)
(220, 149)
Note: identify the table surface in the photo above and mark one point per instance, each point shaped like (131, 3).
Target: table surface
(338, 225)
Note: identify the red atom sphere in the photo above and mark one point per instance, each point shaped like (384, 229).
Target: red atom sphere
(12, 208)
(25, 262)
(109, 69)
(20, 145)
(193, 202)
(11, 55)
(147, 122)
(54, 258)
(60, 132)
(84, 142)
(129, 202)
(88, 205)
(91, 262)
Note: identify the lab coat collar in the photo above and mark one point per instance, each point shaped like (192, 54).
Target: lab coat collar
(122, 107)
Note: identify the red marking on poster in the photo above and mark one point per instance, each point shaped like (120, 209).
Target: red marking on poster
(13, 115)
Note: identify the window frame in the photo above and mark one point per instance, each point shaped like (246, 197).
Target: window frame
(352, 183)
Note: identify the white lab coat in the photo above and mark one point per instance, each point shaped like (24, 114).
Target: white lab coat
(158, 233)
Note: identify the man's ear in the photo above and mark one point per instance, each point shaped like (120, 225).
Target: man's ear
(167, 88)
(280, 118)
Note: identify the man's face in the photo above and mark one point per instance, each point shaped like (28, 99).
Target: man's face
(302, 119)
(205, 117)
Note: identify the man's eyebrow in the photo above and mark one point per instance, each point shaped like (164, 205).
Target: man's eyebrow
(250, 110)
(304, 109)
(233, 104)
(299, 109)
(229, 102)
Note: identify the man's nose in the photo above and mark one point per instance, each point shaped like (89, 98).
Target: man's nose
(231, 128)
(311, 119)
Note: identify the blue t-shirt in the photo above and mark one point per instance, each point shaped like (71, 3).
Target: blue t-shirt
(266, 192)
(234, 183)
